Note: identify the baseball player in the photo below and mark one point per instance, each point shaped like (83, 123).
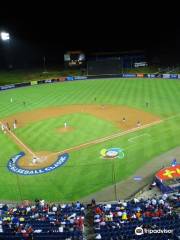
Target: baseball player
(2, 127)
(147, 104)
(14, 124)
(8, 127)
(138, 124)
(65, 124)
(124, 119)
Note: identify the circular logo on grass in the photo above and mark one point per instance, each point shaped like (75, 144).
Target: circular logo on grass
(14, 167)
(112, 153)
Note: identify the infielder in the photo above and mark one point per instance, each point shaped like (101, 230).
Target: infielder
(14, 125)
(138, 124)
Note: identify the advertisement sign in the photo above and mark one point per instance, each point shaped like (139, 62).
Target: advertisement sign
(48, 81)
(80, 78)
(34, 83)
(167, 75)
(140, 75)
(69, 78)
(129, 75)
(168, 173)
(62, 79)
(7, 87)
(151, 75)
(174, 76)
(140, 64)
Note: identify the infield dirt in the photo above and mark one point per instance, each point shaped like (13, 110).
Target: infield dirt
(114, 114)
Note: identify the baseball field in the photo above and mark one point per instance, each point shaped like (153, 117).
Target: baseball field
(85, 119)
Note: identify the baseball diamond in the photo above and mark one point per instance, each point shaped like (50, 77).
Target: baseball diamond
(63, 118)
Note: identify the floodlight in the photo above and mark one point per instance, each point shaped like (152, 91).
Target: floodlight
(4, 36)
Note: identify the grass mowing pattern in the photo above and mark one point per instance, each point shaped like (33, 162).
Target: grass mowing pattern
(86, 172)
(85, 128)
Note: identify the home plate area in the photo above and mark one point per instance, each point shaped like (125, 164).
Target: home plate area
(36, 160)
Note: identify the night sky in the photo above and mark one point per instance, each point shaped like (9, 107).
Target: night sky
(51, 30)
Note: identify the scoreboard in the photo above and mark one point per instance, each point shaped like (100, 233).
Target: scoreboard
(74, 58)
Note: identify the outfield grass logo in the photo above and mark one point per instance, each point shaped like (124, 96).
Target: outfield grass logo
(14, 167)
(112, 153)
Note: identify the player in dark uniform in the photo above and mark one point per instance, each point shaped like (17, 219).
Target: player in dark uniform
(8, 127)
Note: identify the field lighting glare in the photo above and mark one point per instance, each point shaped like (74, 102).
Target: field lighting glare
(4, 36)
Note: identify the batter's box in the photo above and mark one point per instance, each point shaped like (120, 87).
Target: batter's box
(139, 137)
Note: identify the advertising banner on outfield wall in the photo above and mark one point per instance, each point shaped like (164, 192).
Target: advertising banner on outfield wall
(140, 75)
(69, 78)
(34, 83)
(151, 75)
(174, 76)
(80, 77)
(7, 87)
(129, 75)
(167, 75)
(62, 79)
(12, 86)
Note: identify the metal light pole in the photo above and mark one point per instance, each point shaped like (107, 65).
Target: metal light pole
(114, 177)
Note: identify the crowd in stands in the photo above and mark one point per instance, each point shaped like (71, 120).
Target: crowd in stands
(119, 220)
(111, 221)
(42, 221)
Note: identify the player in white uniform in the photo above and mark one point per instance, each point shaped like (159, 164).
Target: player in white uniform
(14, 125)
(2, 127)
(138, 124)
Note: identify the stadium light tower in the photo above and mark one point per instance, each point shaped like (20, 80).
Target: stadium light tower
(5, 36)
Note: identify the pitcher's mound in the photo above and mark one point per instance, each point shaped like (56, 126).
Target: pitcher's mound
(64, 130)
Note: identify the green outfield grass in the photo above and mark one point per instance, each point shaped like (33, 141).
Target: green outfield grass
(86, 172)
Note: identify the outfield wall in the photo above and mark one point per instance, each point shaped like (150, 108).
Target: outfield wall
(76, 78)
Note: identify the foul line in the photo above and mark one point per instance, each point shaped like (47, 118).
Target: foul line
(20, 142)
(144, 134)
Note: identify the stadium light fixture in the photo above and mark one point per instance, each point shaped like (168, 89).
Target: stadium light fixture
(4, 36)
